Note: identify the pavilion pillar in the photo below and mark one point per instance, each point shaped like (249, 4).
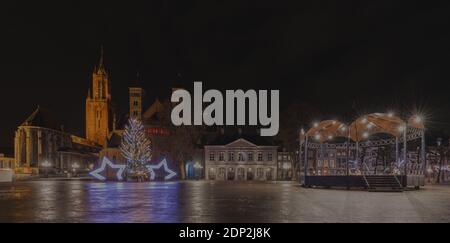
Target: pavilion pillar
(396, 150)
(357, 152)
(423, 155)
(405, 155)
(306, 160)
(299, 155)
(348, 157)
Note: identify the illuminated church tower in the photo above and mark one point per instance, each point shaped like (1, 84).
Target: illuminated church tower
(97, 105)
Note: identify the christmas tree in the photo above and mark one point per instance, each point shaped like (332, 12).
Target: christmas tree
(135, 148)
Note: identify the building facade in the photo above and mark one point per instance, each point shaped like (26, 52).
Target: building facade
(285, 163)
(240, 160)
(39, 145)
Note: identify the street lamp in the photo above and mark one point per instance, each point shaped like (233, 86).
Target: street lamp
(46, 166)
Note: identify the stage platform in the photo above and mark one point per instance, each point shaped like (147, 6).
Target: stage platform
(370, 182)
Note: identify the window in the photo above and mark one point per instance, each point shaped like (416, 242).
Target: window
(269, 156)
(260, 158)
(135, 103)
(269, 174)
(230, 174)
(212, 174)
(260, 173)
(230, 156)
(221, 174)
(211, 156)
(221, 156)
(241, 157)
(250, 156)
(241, 173)
(332, 163)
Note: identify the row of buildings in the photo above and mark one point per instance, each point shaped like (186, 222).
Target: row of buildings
(42, 146)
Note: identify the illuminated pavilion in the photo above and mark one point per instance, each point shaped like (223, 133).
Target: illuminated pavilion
(352, 141)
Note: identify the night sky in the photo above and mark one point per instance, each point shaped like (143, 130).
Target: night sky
(342, 57)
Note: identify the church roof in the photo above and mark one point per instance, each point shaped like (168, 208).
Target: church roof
(115, 139)
(42, 118)
(151, 114)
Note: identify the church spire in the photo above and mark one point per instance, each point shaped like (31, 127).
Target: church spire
(100, 65)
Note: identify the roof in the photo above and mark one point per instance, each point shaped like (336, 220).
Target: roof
(42, 118)
(363, 127)
(115, 139)
(255, 139)
(153, 115)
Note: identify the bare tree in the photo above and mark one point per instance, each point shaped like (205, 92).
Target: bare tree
(181, 143)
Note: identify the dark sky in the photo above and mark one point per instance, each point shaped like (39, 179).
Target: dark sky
(343, 57)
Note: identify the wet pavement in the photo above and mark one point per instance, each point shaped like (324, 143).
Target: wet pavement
(203, 201)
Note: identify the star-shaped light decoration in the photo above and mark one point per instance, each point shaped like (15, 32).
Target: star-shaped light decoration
(163, 163)
(96, 173)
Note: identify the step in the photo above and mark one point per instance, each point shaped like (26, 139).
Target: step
(386, 190)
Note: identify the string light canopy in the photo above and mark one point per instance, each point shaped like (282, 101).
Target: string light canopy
(327, 130)
(363, 127)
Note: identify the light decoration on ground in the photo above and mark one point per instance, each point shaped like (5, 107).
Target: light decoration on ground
(163, 163)
(121, 168)
(97, 173)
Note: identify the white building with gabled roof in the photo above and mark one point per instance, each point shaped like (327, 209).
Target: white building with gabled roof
(241, 159)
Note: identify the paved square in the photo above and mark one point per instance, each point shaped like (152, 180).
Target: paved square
(204, 201)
